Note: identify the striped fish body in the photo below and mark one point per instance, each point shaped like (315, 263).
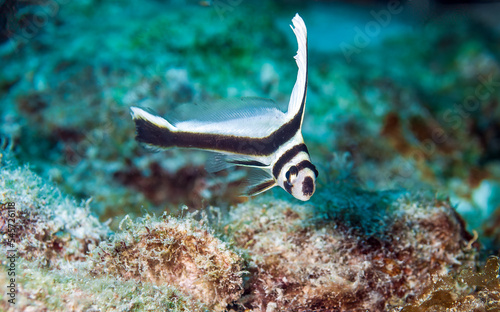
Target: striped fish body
(264, 138)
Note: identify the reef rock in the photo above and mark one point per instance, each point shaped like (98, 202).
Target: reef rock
(360, 251)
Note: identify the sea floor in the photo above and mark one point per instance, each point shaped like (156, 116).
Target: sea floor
(402, 121)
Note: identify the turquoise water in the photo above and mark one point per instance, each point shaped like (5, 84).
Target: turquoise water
(401, 98)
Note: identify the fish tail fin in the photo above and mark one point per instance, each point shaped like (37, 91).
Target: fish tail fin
(153, 131)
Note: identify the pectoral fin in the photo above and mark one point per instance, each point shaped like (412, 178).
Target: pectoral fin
(259, 181)
(220, 162)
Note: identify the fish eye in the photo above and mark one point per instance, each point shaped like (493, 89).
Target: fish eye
(291, 174)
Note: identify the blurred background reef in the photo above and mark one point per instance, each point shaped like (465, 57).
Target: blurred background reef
(402, 121)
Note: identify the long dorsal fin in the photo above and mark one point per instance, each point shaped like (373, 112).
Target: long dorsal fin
(223, 109)
(298, 98)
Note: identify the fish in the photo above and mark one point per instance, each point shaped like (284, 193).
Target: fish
(255, 133)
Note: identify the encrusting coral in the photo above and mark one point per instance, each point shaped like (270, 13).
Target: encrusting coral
(303, 260)
(454, 294)
(169, 251)
(71, 288)
(58, 266)
(346, 250)
(49, 225)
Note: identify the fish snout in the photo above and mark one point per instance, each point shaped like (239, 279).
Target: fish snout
(305, 185)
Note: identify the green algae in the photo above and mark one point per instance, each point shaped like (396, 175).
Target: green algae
(301, 260)
(169, 251)
(58, 246)
(71, 288)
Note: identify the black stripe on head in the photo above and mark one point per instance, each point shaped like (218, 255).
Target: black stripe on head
(288, 187)
(260, 187)
(287, 156)
(308, 186)
(307, 164)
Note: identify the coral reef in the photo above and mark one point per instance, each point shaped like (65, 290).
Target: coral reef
(65, 259)
(71, 288)
(173, 252)
(431, 125)
(492, 231)
(454, 294)
(49, 226)
(190, 185)
(348, 251)
(435, 125)
(417, 115)
(300, 260)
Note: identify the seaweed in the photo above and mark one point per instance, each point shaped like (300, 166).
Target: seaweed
(65, 259)
(469, 291)
(301, 260)
(177, 252)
